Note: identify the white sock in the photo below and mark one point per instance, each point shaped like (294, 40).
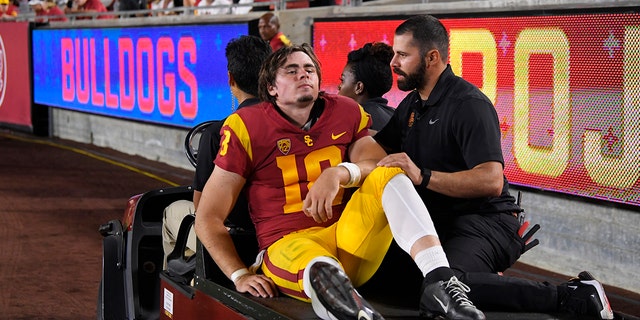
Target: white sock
(430, 259)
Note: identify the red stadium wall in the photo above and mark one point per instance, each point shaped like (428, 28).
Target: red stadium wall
(566, 88)
(15, 89)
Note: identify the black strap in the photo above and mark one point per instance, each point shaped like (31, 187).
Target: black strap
(178, 265)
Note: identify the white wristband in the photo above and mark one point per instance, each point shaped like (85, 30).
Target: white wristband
(238, 273)
(354, 174)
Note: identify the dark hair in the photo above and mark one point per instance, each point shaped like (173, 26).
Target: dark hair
(428, 33)
(370, 65)
(278, 59)
(244, 59)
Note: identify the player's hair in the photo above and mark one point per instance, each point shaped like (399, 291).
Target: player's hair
(245, 56)
(428, 33)
(275, 61)
(370, 65)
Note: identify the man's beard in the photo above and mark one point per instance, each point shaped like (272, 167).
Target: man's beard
(306, 98)
(413, 80)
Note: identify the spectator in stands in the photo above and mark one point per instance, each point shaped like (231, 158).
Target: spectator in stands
(269, 28)
(366, 77)
(290, 4)
(168, 4)
(47, 11)
(88, 6)
(7, 10)
(132, 5)
(204, 11)
(244, 58)
(446, 136)
(295, 156)
(231, 7)
(159, 4)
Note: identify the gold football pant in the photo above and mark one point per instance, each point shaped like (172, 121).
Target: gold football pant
(359, 240)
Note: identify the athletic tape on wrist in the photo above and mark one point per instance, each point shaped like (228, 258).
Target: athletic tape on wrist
(354, 174)
(239, 273)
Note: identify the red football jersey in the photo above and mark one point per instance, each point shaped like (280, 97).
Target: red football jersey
(280, 161)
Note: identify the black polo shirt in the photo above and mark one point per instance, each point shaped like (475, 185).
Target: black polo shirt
(207, 152)
(379, 111)
(455, 129)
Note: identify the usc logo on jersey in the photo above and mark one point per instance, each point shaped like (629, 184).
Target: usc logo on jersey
(308, 141)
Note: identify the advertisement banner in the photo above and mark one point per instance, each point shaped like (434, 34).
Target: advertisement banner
(175, 75)
(15, 91)
(566, 89)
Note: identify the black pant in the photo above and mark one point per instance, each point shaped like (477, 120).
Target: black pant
(478, 247)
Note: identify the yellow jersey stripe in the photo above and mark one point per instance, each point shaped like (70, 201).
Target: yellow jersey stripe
(364, 119)
(240, 129)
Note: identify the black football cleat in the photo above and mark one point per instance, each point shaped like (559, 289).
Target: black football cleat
(448, 300)
(333, 296)
(586, 297)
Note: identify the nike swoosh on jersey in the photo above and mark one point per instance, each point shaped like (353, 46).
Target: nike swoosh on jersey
(336, 136)
(431, 121)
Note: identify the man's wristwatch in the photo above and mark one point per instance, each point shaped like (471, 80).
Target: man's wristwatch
(426, 176)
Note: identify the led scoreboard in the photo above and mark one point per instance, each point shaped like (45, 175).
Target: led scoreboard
(566, 89)
(174, 75)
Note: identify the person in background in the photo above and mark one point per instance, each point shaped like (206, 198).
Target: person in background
(88, 6)
(169, 4)
(204, 11)
(244, 58)
(269, 28)
(158, 5)
(231, 7)
(131, 5)
(366, 77)
(445, 135)
(298, 156)
(47, 11)
(290, 4)
(7, 10)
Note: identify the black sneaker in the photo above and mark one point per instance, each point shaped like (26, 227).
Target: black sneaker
(448, 300)
(338, 299)
(585, 296)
